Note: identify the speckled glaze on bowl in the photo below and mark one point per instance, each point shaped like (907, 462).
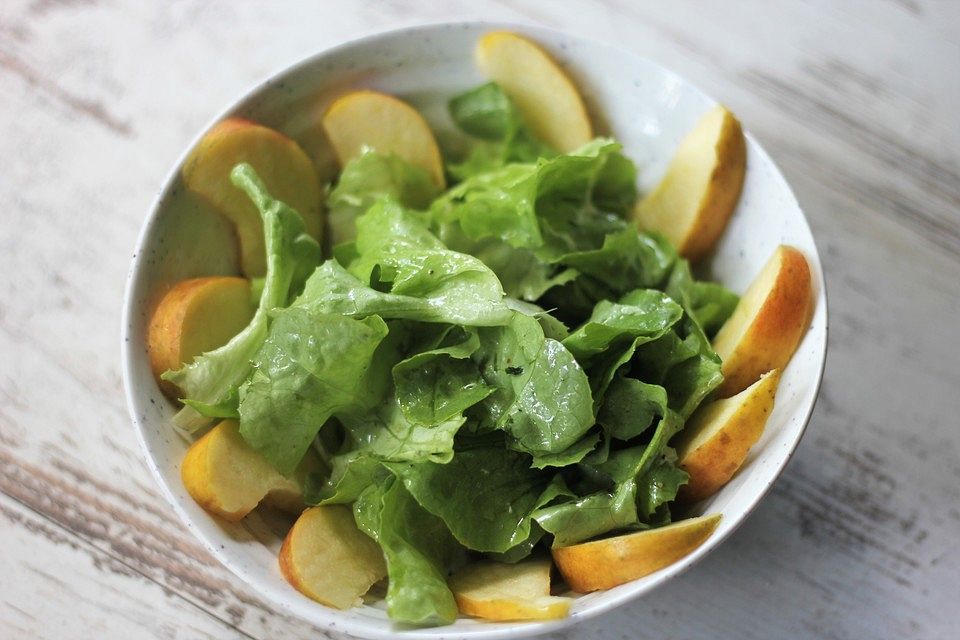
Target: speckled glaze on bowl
(646, 107)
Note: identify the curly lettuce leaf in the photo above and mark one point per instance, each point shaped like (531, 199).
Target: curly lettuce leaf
(402, 271)
(708, 303)
(370, 177)
(521, 219)
(630, 407)
(487, 114)
(311, 366)
(419, 550)
(210, 383)
(541, 395)
(386, 434)
(485, 495)
(624, 492)
(437, 385)
(643, 314)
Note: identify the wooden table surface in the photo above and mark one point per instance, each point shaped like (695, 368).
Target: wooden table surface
(857, 101)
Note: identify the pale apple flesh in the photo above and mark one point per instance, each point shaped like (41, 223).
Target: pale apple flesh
(609, 562)
(328, 559)
(549, 102)
(285, 169)
(717, 438)
(196, 316)
(226, 477)
(693, 202)
(388, 125)
(767, 324)
(500, 591)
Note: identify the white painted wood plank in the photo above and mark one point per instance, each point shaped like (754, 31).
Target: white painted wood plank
(856, 100)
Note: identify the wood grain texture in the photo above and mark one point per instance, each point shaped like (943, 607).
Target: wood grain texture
(856, 101)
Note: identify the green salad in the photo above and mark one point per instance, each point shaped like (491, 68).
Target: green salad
(483, 370)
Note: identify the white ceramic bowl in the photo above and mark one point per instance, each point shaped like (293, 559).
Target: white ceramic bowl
(644, 106)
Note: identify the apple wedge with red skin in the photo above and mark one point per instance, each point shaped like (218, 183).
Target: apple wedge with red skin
(548, 100)
(385, 124)
(228, 478)
(695, 199)
(281, 164)
(768, 322)
(716, 440)
(193, 317)
(501, 591)
(328, 559)
(610, 562)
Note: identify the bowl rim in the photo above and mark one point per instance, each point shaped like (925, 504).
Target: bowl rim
(333, 619)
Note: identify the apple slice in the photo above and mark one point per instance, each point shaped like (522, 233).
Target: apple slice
(499, 591)
(546, 97)
(716, 440)
(328, 559)
(282, 165)
(196, 316)
(225, 476)
(767, 324)
(694, 201)
(385, 124)
(606, 563)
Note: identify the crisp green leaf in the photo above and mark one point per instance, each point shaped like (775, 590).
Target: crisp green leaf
(659, 485)
(630, 407)
(708, 303)
(403, 271)
(311, 366)
(542, 396)
(369, 177)
(462, 300)
(418, 549)
(440, 384)
(590, 516)
(484, 495)
(212, 379)
(486, 112)
(644, 313)
(386, 434)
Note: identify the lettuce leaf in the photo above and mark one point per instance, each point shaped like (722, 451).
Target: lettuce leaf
(402, 271)
(210, 383)
(624, 492)
(436, 385)
(541, 395)
(386, 434)
(708, 303)
(630, 407)
(486, 113)
(485, 495)
(371, 177)
(311, 366)
(418, 549)
(644, 314)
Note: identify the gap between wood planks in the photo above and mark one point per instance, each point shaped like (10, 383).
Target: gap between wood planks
(79, 542)
(98, 526)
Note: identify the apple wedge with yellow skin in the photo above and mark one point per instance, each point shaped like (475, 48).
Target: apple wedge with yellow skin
(500, 591)
(693, 202)
(285, 169)
(195, 316)
(225, 476)
(370, 119)
(717, 438)
(547, 99)
(609, 562)
(768, 322)
(328, 559)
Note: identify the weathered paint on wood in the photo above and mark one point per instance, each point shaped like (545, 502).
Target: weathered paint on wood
(857, 101)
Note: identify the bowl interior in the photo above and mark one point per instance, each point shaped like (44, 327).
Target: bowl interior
(644, 106)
